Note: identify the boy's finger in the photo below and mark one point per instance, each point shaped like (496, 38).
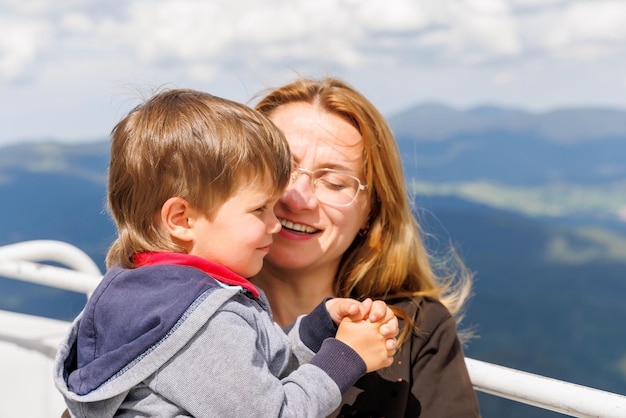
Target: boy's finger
(378, 311)
(353, 310)
(390, 328)
(387, 330)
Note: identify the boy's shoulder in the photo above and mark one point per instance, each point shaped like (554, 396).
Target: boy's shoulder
(134, 311)
(171, 284)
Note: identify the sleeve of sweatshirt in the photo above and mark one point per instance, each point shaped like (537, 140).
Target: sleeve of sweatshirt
(315, 327)
(308, 332)
(234, 367)
(316, 332)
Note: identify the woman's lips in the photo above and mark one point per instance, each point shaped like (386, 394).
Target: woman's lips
(298, 228)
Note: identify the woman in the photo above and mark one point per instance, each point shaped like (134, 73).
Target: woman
(348, 230)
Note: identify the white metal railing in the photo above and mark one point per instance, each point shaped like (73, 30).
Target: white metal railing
(544, 392)
(23, 262)
(49, 250)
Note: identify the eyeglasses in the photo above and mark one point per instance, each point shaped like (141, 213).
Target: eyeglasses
(330, 186)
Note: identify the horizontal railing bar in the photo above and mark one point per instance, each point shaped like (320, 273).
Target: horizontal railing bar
(545, 392)
(47, 275)
(51, 250)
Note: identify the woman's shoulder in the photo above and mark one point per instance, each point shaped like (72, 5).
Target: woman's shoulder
(423, 304)
(428, 313)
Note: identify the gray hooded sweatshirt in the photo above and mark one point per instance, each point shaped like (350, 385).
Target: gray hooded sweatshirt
(184, 337)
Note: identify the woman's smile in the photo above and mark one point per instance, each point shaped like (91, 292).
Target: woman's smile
(297, 227)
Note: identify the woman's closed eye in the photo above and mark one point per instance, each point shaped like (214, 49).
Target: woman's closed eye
(331, 183)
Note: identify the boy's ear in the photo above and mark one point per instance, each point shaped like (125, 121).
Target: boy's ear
(175, 218)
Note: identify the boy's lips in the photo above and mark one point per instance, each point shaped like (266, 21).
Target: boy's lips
(266, 246)
(297, 227)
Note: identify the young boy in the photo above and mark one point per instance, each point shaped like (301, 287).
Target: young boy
(174, 329)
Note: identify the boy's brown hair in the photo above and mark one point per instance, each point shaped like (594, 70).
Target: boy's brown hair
(189, 144)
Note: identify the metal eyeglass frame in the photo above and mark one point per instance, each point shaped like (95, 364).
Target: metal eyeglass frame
(296, 171)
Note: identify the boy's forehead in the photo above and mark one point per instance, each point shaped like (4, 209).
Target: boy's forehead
(258, 181)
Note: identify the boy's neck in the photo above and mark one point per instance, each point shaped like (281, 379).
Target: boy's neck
(292, 294)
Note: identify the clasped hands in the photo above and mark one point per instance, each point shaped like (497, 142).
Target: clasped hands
(368, 327)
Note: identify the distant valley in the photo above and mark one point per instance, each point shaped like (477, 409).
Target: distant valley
(563, 164)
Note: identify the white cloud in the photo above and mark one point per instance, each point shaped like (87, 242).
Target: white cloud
(587, 30)
(347, 33)
(390, 15)
(77, 23)
(187, 30)
(576, 30)
(525, 51)
(503, 78)
(483, 31)
(26, 7)
(20, 43)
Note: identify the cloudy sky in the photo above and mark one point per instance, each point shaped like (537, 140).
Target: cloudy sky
(70, 69)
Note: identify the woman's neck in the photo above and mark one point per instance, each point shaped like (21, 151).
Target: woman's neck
(293, 293)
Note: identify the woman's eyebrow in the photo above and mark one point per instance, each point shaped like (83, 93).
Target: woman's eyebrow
(334, 166)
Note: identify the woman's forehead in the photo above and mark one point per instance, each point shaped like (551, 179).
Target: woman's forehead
(330, 154)
(314, 131)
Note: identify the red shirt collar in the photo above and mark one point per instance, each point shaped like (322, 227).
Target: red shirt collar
(215, 270)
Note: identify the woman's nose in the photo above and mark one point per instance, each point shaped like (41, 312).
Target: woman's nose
(300, 194)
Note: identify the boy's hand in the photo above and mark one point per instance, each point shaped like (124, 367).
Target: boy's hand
(365, 337)
(374, 311)
(384, 316)
(340, 308)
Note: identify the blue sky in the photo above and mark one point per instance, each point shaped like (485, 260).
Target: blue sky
(70, 69)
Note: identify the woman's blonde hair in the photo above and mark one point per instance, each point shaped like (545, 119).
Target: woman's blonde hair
(389, 260)
(189, 144)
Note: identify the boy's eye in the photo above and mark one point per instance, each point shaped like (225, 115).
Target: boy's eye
(268, 205)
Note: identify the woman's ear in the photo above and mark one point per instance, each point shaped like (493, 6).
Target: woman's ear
(176, 214)
(365, 227)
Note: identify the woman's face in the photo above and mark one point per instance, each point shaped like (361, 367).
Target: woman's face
(315, 234)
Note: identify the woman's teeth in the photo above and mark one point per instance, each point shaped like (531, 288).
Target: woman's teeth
(297, 227)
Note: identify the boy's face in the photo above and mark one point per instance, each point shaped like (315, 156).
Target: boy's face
(239, 233)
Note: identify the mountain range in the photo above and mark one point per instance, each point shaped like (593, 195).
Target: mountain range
(535, 204)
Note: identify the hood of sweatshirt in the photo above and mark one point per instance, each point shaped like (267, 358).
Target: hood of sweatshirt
(121, 337)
